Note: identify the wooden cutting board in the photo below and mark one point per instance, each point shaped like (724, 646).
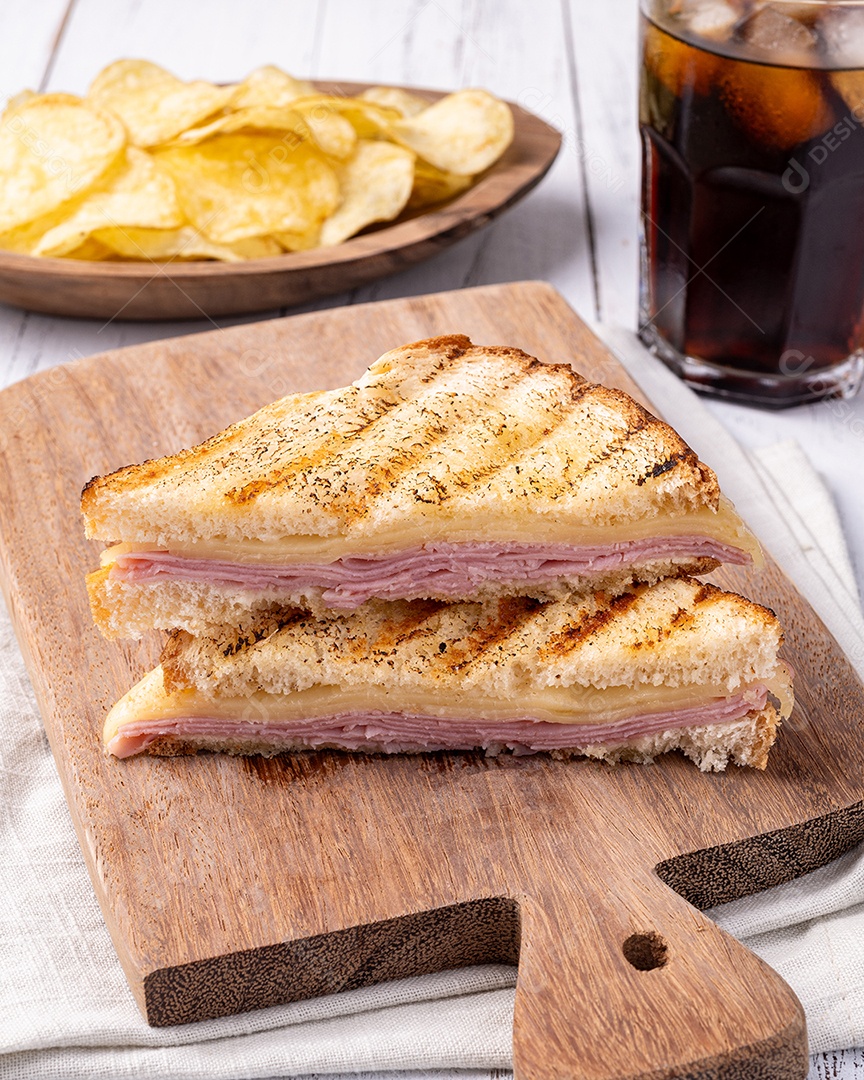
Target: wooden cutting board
(231, 884)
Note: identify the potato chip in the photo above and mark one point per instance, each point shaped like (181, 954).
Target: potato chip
(253, 247)
(235, 186)
(20, 99)
(56, 98)
(334, 133)
(394, 97)
(154, 105)
(299, 241)
(432, 186)
(24, 238)
(90, 251)
(137, 193)
(159, 245)
(375, 185)
(330, 131)
(254, 118)
(150, 167)
(463, 133)
(368, 119)
(268, 86)
(52, 148)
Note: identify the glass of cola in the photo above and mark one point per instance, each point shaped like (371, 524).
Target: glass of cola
(752, 122)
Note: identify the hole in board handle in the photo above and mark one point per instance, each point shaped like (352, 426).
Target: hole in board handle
(645, 951)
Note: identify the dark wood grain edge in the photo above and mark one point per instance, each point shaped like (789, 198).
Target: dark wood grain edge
(784, 1056)
(727, 872)
(483, 931)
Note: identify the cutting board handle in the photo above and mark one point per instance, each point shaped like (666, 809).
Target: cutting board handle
(619, 977)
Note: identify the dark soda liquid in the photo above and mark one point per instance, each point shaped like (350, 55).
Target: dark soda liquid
(753, 214)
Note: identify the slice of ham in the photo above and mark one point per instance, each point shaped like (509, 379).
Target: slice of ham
(393, 733)
(448, 570)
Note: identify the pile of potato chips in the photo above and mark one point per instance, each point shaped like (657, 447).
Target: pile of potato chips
(149, 167)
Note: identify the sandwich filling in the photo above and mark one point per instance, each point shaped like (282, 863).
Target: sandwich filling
(367, 717)
(450, 570)
(441, 568)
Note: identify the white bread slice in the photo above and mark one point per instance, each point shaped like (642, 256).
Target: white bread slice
(437, 438)
(712, 747)
(676, 632)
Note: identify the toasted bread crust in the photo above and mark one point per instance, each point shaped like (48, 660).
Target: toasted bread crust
(100, 606)
(677, 631)
(436, 430)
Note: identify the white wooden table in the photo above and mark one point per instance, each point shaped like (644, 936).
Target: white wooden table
(571, 61)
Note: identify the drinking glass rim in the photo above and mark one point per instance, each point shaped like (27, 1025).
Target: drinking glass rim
(671, 17)
(826, 4)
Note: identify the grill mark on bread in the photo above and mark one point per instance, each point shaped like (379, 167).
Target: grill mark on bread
(513, 615)
(681, 618)
(467, 478)
(410, 621)
(175, 660)
(705, 592)
(508, 644)
(237, 640)
(634, 428)
(396, 459)
(435, 490)
(452, 345)
(265, 626)
(575, 634)
(333, 449)
(707, 595)
(350, 500)
(369, 413)
(131, 477)
(669, 463)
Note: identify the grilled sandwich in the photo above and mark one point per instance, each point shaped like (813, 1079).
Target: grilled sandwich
(447, 471)
(674, 665)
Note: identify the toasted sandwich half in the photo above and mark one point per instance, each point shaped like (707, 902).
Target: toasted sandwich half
(675, 665)
(447, 471)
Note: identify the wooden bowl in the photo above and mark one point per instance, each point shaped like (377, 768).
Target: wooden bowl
(193, 290)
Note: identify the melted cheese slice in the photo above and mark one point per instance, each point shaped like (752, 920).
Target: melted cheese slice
(148, 700)
(724, 525)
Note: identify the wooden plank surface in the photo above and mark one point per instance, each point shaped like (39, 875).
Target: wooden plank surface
(567, 61)
(223, 881)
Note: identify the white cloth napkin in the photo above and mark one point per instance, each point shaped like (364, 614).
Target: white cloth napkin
(811, 930)
(66, 1011)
